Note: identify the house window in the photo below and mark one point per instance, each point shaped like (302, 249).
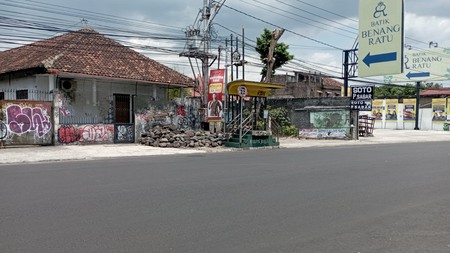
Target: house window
(21, 94)
(2, 95)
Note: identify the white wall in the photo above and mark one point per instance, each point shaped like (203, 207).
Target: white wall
(19, 83)
(425, 121)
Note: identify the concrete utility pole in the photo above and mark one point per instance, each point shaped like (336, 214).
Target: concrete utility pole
(276, 35)
(198, 41)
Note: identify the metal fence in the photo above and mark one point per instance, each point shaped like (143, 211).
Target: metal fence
(26, 94)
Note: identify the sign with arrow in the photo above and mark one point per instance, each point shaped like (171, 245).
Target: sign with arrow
(380, 37)
(430, 64)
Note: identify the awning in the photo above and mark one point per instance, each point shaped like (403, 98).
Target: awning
(254, 89)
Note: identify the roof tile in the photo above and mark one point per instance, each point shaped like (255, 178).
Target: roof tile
(90, 53)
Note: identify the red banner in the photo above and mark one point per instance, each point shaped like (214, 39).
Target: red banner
(215, 94)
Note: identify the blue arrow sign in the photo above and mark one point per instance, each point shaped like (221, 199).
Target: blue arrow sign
(377, 58)
(416, 75)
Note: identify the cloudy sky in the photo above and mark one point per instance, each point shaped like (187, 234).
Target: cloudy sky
(316, 30)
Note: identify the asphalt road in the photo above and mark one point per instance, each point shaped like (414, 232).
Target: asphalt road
(374, 198)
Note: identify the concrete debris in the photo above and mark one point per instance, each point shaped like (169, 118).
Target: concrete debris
(170, 137)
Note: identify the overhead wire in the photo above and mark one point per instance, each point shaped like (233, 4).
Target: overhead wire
(278, 26)
(325, 26)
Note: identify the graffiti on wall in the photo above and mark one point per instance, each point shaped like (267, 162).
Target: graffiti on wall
(183, 115)
(67, 134)
(95, 133)
(65, 104)
(124, 133)
(24, 119)
(98, 133)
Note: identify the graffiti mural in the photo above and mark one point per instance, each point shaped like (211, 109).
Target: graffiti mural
(67, 134)
(22, 119)
(124, 133)
(97, 133)
(180, 113)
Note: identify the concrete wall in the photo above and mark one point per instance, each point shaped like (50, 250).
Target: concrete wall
(181, 113)
(83, 112)
(320, 118)
(426, 121)
(28, 122)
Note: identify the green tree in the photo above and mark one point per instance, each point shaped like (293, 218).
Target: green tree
(409, 90)
(281, 54)
(280, 115)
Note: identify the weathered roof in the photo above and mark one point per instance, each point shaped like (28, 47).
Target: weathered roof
(86, 52)
(436, 92)
(331, 82)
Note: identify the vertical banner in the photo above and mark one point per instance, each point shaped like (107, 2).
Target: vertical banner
(377, 109)
(439, 111)
(215, 93)
(391, 112)
(448, 109)
(409, 109)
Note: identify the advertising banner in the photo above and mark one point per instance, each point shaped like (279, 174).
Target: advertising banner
(215, 94)
(448, 109)
(439, 110)
(377, 109)
(361, 98)
(409, 109)
(380, 37)
(391, 112)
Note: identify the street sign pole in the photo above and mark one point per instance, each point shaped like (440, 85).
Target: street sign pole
(240, 128)
(242, 90)
(417, 105)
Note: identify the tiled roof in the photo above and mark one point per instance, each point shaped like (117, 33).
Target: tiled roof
(436, 92)
(86, 52)
(331, 82)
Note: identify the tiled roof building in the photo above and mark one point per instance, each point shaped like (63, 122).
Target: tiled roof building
(88, 53)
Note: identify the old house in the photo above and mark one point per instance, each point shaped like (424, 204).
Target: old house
(83, 87)
(306, 85)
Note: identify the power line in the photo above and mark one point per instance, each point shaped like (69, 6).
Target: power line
(271, 24)
(322, 9)
(316, 15)
(271, 9)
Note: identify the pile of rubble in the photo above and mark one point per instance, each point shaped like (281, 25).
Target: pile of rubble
(170, 137)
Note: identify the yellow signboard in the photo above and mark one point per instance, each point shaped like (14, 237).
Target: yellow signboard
(409, 109)
(377, 109)
(439, 110)
(391, 112)
(380, 37)
(448, 109)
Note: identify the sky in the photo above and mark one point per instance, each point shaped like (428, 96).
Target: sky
(316, 31)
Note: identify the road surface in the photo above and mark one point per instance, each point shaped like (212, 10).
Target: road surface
(374, 198)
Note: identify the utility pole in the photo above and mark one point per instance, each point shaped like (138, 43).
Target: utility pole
(205, 61)
(198, 41)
